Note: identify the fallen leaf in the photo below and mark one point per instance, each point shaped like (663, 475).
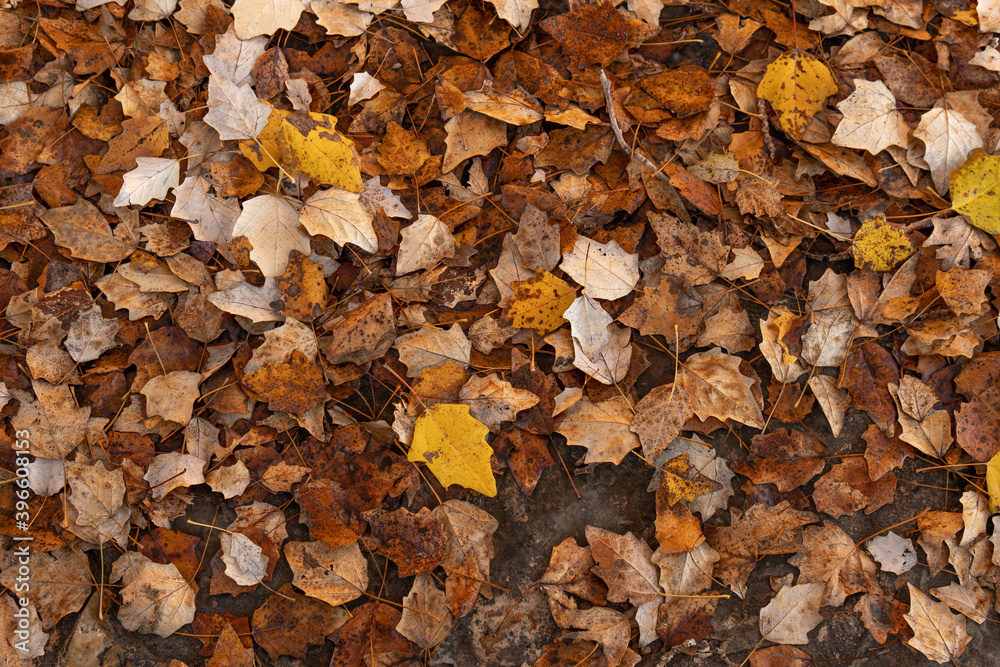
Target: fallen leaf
(540, 302)
(603, 269)
(796, 84)
(425, 243)
(716, 388)
(334, 576)
(792, 614)
(602, 428)
(453, 445)
(871, 121)
(894, 553)
(831, 559)
(949, 138)
(156, 599)
(937, 633)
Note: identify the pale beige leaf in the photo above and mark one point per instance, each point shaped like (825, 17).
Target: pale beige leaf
(958, 242)
(989, 15)
(281, 343)
(833, 401)
(603, 269)
(152, 10)
(893, 552)
(421, 11)
(264, 17)
(937, 633)
(747, 264)
(340, 18)
(794, 611)
(471, 134)
(158, 600)
(588, 323)
(249, 301)
(602, 428)
(271, 224)
(537, 239)
(91, 335)
(172, 395)
(84, 230)
(52, 418)
(717, 388)
(234, 58)
(235, 111)
(230, 481)
(424, 243)
(334, 576)
(96, 492)
(430, 347)
(785, 367)
(515, 12)
(949, 138)
(426, 619)
(611, 362)
(246, 563)
(152, 178)
(493, 400)
(925, 428)
(173, 470)
(871, 121)
(828, 338)
(975, 513)
(688, 572)
(969, 599)
(516, 106)
(213, 217)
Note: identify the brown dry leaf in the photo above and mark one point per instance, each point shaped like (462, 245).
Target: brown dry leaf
(289, 622)
(471, 134)
(866, 372)
(937, 633)
(53, 419)
(833, 401)
(591, 34)
(172, 396)
(602, 428)
(430, 347)
(785, 366)
(611, 363)
(426, 620)
(659, 418)
(334, 576)
(173, 470)
(623, 562)
(84, 230)
(414, 541)
(847, 488)
(156, 599)
(717, 389)
(787, 459)
(362, 334)
(295, 387)
(830, 558)
(493, 401)
(792, 614)
(230, 651)
(425, 243)
(672, 303)
(964, 290)
(697, 255)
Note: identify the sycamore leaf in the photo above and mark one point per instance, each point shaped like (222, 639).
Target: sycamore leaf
(604, 269)
(717, 388)
(271, 224)
(493, 401)
(432, 347)
(264, 17)
(949, 138)
(796, 84)
(235, 111)
(871, 121)
(937, 633)
(310, 145)
(339, 215)
(453, 444)
(588, 323)
(602, 428)
(623, 562)
(794, 611)
(610, 363)
(249, 301)
(542, 302)
(335, 576)
(424, 243)
(246, 563)
(515, 12)
(158, 600)
(975, 192)
(152, 178)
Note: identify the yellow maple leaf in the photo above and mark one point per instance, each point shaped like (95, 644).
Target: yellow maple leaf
(975, 191)
(881, 245)
(453, 445)
(796, 84)
(993, 482)
(307, 144)
(310, 145)
(265, 150)
(539, 302)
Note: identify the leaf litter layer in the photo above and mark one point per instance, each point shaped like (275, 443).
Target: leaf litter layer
(468, 332)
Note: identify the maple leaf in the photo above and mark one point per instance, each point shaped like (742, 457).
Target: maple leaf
(452, 443)
(659, 418)
(334, 576)
(603, 428)
(156, 598)
(949, 138)
(871, 121)
(271, 224)
(426, 619)
(431, 347)
(716, 388)
(937, 633)
(792, 614)
(603, 269)
(957, 241)
(173, 470)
